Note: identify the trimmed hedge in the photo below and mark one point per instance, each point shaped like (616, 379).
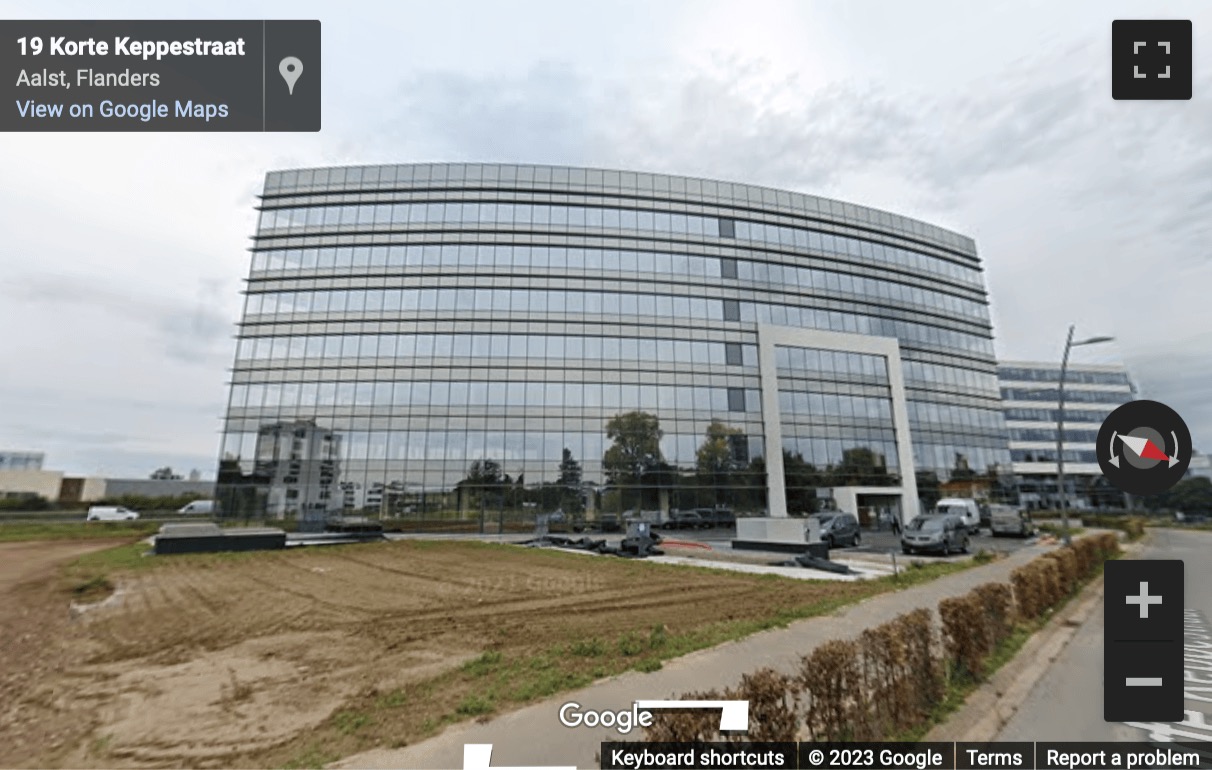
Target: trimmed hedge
(966, 641)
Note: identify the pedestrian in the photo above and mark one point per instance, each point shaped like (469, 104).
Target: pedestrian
(896, 524)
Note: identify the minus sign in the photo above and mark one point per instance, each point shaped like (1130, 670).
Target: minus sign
(1143, 681)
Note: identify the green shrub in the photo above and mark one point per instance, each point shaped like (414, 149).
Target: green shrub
(475, 705)
(483, 665)
(631, 645)
(25, 503)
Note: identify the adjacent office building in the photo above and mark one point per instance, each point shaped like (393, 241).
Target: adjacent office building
(1201, 466)
(1031, 395)
(509, 338)
(21, 461)
(300, 463)
(22, 475)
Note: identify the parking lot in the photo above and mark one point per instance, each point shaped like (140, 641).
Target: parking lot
(873, 541)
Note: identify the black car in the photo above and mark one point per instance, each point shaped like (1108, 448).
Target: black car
(609, 522)
(717, 517)
(838, 529)
(943, 534)
(686, 520)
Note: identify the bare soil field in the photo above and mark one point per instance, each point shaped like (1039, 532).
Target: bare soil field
(299, 657)
(35, 631)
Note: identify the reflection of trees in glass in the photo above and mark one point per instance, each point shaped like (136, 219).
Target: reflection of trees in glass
(962, 471)
(569, 484)
(719, 459)
(749, 491)
(801, 480)
(484, 485)
(566, 493)
(634, 464)
(861, 467)
(240, 495)
(928, 488)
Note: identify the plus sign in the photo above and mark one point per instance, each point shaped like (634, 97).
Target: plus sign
(1144, 600)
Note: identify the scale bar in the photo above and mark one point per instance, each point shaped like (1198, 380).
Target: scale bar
(1143, 681)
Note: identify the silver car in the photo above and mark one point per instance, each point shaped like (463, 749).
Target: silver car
(943, 534)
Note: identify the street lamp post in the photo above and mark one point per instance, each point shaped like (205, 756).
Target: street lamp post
(1060, 427)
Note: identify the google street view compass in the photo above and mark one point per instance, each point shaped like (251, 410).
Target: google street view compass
(1144, 448)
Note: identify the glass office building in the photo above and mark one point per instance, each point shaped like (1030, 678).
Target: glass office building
(21, 461)
(518, 339)
(1031, 396)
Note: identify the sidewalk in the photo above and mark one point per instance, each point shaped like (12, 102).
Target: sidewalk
(533, 736)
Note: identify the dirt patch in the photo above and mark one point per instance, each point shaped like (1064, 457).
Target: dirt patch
(36, 638)
(302, 656)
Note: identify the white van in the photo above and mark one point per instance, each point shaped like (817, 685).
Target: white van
(201, 507)
(966, 507)
(110, 513)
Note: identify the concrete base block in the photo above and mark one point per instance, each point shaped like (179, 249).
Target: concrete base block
(786, 530)
(782, 535)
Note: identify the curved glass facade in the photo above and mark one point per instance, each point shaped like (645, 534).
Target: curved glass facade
(439, 340)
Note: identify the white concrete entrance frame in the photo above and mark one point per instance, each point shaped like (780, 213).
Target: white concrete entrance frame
(776, 525)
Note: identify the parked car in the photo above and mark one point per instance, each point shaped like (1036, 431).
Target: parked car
(966, 507)
(838, 529)
(110, 513)
(944, 534)
(609, 522)
(686, 520)
(1007, 520)
(718, 517)
(202, 507)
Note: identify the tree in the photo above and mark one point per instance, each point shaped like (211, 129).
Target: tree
(1193, 495)
(165, 474)
(636, 452)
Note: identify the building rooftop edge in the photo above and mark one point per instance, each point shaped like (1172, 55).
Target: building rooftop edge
(926, 229)
(1056, 365)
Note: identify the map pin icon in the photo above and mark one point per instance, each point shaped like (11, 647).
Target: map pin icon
(291, 68)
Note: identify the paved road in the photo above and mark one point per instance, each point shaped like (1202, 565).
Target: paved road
(1067, 704)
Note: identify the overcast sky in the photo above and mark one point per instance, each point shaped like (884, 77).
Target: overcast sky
(123, 254)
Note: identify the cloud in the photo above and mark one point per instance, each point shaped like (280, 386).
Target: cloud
(123, 252)
(1086, 210)
(453, 116)
(192, 333)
